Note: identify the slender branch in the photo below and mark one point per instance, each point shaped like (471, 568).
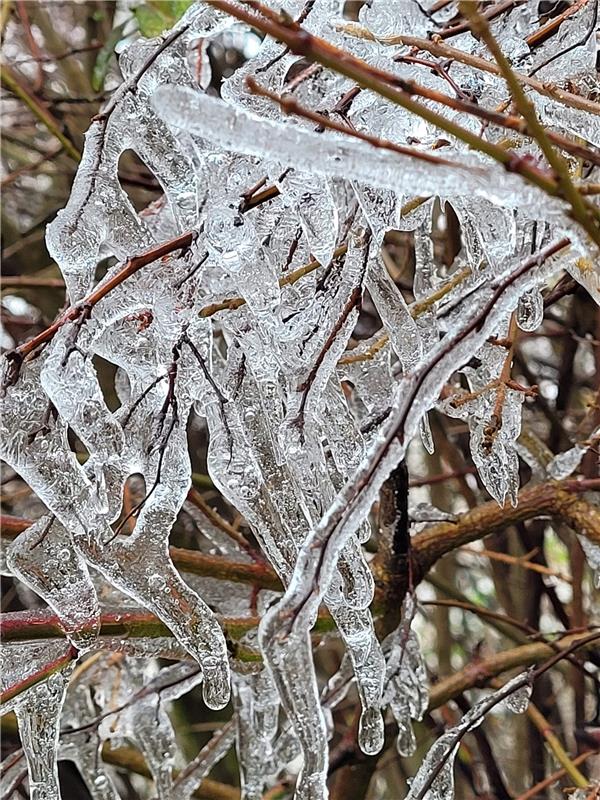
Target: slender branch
(518, 561)
(555, 745)
(537, 37)
(439, 48)
(443, 476)
(131, 85)
(27, 169)
(302, 43)
(30, 281)
(290, 105)
(56, 665)
(579, 208)
(539, 788)
(131, 759)
(39, 624)
(209, 512)
(491, 13)
(478, 673)
(500, 622)
(83, 309)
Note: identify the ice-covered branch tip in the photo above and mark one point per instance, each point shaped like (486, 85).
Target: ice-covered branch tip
(82, 310)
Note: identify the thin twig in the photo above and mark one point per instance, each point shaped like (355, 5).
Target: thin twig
(579, 208)
(540, 788)
(437, 47)
(555, 745)
(75, 312)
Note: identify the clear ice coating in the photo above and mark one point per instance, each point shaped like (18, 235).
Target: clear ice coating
(250, 330)
(435, 777)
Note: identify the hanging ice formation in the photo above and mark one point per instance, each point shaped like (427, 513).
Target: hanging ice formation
(245, 328)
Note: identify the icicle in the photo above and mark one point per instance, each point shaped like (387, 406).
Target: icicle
(84, 747)
(257, 707)
(406, 685)
(330, 156)
(564, 464)
(44, 557)
(313, 203)
(530, 310)
(398, 322)
(38, 711)
(592, 553)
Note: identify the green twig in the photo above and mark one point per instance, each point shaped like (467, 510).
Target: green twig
(580, 211)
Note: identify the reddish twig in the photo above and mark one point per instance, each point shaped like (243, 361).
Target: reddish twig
(76, 312)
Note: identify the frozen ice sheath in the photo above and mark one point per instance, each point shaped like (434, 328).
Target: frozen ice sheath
(251, 331)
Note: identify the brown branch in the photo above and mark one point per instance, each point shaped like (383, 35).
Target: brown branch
(56, 665)
(83, 309)
(131, 84)
(517, 561)
(354, 301)
(392, 564)
(443, 476)
(33, 45)
(540, 787)
(555, 745)
(30, 281)
(192, 561)
(196, 499)
(250, 201)
(537, 37)
(559, 499)
(131, 759)
(39, 624)
(437, 47)
(478, 673)
(556, 499)
(491, 13)
(74, 51)
(502, 620)
(29, 168)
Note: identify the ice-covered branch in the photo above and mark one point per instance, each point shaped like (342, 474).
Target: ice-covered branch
(282, 317)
